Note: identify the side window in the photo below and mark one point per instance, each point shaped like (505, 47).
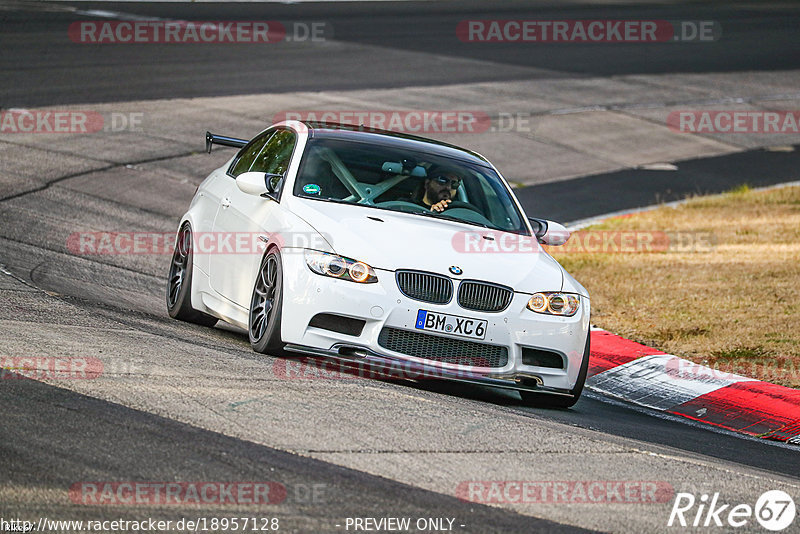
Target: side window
(276, 155)
(249, 153)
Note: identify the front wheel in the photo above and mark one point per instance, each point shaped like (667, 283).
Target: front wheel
(179, 283)
(557, 401)
(264, 322)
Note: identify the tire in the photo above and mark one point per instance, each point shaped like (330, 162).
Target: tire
(264, 319)
(179, 283)
(555, 401)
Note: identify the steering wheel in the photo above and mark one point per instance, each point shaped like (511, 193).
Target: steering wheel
(402, 205)
(461, 204)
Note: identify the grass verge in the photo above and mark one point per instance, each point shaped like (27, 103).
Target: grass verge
(715, 280)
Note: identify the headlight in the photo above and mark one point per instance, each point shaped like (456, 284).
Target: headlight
(564, 304)
(339, 267)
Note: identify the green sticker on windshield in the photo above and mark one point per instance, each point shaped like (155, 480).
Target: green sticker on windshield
(311, 189)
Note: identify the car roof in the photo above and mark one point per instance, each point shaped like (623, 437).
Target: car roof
(350, 132)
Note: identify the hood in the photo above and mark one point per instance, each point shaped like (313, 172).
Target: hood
(391, 240)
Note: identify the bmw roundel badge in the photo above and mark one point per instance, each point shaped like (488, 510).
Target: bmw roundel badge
(456, 269)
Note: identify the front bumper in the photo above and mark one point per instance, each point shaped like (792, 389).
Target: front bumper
(382, 305)
(380, 366)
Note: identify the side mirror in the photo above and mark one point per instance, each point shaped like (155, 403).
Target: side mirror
(259, 183)
(549, 232)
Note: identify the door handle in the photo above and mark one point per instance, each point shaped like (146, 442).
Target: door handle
(226, 202)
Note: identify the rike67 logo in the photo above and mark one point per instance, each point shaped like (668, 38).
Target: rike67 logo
(774, 510)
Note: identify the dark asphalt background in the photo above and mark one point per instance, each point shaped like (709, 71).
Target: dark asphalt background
(56, 438)
(591, 196)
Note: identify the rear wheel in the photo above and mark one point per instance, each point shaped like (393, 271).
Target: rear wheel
(557, 401)
(264, 322)
(179, 283)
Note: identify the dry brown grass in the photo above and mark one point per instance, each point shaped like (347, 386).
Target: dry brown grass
(734, 305)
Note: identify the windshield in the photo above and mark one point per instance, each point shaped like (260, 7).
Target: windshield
(408, 181)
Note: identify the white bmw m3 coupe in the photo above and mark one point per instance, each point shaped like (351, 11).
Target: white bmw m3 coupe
(386, 250)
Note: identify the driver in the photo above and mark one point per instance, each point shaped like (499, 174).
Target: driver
(438, 190)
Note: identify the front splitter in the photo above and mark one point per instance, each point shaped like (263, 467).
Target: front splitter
(383, 366)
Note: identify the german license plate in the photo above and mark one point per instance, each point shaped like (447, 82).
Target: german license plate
(451, 324)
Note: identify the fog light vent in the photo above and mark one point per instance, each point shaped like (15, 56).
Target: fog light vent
(542, 358)
(338, 323)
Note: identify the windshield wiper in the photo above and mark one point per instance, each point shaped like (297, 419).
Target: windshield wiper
(434, 214)
(451, 218)
(326, 199)
(438, 215)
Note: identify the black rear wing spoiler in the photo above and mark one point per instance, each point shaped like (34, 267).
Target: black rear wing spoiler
(214, 139)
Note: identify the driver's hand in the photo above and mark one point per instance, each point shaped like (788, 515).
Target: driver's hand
(440, 206)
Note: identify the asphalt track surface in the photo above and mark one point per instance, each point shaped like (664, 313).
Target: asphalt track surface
(630, 189)
(53, 437)
(40, 451)
(41, 66)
